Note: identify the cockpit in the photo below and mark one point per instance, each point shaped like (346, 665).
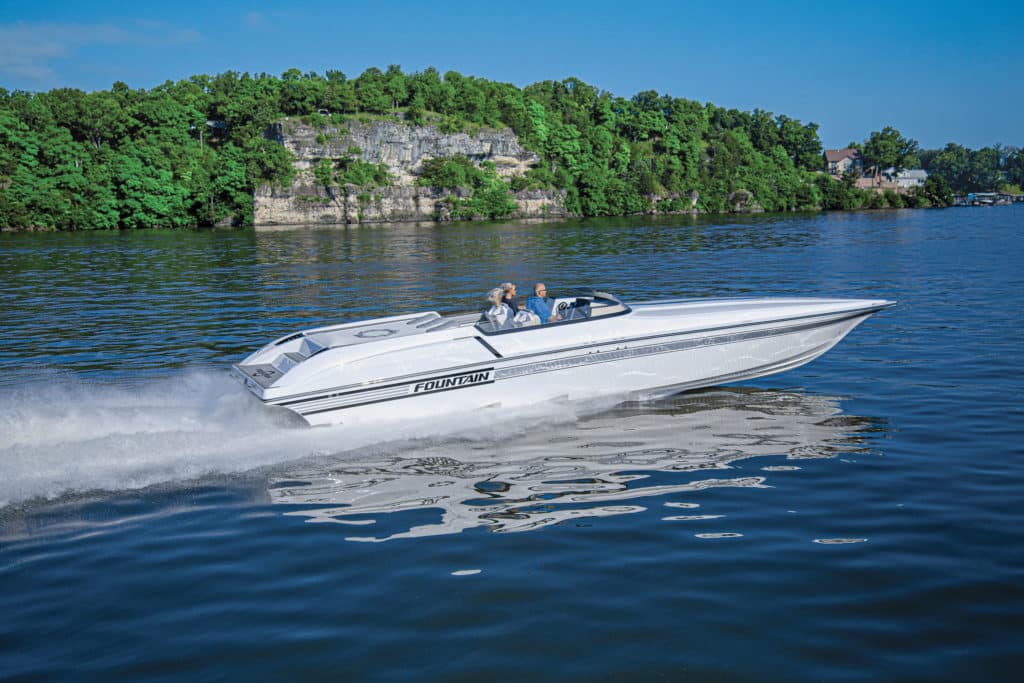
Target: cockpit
(579, 307)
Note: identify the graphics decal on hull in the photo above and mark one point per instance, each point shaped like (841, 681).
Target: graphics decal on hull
(453, 382)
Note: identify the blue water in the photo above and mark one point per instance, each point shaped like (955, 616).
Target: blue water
(859, 518)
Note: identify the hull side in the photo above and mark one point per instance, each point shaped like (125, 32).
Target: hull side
(638, 371)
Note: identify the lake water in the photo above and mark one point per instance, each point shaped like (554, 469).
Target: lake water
(858, 519)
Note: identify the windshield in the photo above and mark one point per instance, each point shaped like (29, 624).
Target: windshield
(581, 306)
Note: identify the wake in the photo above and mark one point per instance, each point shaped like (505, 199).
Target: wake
(69, 435)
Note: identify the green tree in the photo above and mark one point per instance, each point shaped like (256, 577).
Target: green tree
(936, 191)
(395, 86)
(301, 93)
(147, 193)
(371, 93)
(1013, 166)
(800, 142)
(953, 164)
(967, 170)
(888, 148)
(415, 113)
(340, 94)
(986, 174)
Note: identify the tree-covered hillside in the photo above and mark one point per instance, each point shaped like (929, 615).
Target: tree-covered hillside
(191, 153)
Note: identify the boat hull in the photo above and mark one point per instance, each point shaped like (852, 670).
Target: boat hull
(631, 369)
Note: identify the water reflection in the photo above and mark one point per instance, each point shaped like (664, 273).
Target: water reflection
(595, 467)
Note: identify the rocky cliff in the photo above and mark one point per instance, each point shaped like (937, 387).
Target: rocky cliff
(403, 148)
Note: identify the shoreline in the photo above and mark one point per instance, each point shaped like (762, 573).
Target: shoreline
(260, 227)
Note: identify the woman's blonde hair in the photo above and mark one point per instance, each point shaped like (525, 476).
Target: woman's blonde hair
(495, 296)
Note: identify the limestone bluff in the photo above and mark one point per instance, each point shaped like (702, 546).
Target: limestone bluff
(403, 148)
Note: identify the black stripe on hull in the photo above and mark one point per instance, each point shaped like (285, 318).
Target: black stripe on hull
(426, 380)
(395, 398)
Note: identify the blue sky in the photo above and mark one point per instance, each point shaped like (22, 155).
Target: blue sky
(938, 71)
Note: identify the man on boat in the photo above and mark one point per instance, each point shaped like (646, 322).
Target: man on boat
(540, 304)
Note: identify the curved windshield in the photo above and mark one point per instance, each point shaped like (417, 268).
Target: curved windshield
(580, 306)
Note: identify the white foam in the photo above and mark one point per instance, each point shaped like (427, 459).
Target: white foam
(68, 434)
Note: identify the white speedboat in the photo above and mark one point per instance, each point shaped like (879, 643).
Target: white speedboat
(424, 365)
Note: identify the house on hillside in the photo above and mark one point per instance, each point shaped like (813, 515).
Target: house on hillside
(839, 161)
(906, 178)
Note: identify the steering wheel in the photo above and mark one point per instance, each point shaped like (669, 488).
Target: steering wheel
(563, 307)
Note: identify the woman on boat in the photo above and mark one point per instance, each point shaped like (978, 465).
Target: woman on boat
(500, 314)
(509, 289)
